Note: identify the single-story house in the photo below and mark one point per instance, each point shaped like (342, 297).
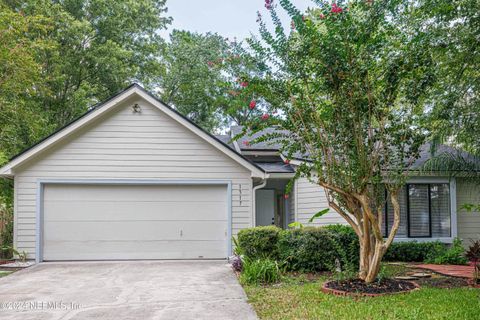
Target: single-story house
(134, 179)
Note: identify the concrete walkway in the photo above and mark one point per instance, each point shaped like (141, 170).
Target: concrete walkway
(124, 290)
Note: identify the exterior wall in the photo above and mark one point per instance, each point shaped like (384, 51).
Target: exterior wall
(310, 199)
(468, 222)
(126, 145)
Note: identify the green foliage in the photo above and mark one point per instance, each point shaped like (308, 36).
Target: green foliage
(22, 255)
(259, 242)
(413, 251)
(428, 252)
(347, 89)
(202, 78)
(312, 249)
(455, 254)
(6, 227)
(260, 271)
(318, 215)
(452, 28)
(66, 56)
(347, 244)
(307, 250)
(470, 207)
(295, 224)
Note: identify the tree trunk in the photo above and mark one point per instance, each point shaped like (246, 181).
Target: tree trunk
(366, 222)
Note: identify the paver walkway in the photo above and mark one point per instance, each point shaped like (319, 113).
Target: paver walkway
(449, 270)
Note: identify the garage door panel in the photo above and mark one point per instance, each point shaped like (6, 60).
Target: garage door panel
(98, 222)
(121, 250)
(136, 230)
(118, 211)
(147, 193)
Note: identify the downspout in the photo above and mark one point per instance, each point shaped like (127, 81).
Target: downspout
(254, 207)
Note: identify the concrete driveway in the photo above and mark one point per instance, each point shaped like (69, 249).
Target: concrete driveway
(124, 290)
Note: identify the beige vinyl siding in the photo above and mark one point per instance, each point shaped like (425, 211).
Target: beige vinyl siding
(310, 199)
(126, 145)
(468, 223)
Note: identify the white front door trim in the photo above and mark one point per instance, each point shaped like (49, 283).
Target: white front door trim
(42, 182)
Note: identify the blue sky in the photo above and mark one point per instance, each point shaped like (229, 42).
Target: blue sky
(229, 18)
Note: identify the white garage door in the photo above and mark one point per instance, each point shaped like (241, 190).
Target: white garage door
(101, 222)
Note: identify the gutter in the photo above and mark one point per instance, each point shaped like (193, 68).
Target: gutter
(254, 207)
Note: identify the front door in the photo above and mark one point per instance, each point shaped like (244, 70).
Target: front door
(265, 207)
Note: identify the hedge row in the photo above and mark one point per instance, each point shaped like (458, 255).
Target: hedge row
(307, 249)
(313, 249)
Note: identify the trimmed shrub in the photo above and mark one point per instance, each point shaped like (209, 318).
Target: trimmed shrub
(259, 242)
(308, 249)
(455, 254)
(260, 271)
(348, 245)
(413, 251)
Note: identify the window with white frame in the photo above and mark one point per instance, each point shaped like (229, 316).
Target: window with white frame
(424, 211)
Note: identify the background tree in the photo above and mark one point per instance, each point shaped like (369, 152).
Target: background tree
(350, 91)
(98, 47)
(454, 41)
(191, 80)
(203, 76)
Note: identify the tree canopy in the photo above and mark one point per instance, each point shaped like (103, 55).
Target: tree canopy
(347, 90)
(202, 79)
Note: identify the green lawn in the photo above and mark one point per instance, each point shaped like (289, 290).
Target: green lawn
(294, 299)
(4, 273)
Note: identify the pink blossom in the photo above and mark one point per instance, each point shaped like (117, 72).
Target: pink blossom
(336, 9)
(247, 143)
(268, 4)
(322, 16)
(252, 104)
(265, 116)
(243, 84)
(287, 161)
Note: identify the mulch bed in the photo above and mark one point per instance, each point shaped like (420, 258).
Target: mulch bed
(357, 287)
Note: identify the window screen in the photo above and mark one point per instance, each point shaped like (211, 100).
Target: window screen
(440, 209)
(419, 210)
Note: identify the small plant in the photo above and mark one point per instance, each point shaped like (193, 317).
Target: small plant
(473, 254)
(237, 264)
(237, 250)
(21, 255)
(260, 271)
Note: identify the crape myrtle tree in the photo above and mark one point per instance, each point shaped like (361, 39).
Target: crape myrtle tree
(346, 90)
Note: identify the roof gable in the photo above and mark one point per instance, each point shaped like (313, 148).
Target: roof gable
(103, 108)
